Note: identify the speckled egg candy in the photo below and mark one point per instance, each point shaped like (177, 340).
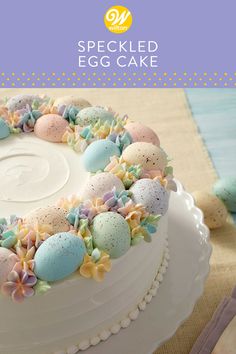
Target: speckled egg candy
(140, 132)
(71, 100)
(91, 115)
(4, 129)
(150, 156)
(97, 155)
(18, 102)
(111, 234)
(225, 189)
(99, 184)
(151, 194)
(51, 127)
(7, 262)
(215, 213)
(52, 216)
(59, 256)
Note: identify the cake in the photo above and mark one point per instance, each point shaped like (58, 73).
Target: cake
(84, 199)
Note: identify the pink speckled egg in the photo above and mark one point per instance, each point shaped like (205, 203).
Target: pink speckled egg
(51, 127)
(140, 132)
(101, 183)
(71, 100)
(7, 261)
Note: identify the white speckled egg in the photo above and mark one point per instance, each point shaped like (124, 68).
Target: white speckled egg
(51, 127)
(59, 256)
(97, 155)
(91, 115)
(215, 213)
(140, 132)
(151, 194)
(18, 102)
(52, 216)
(150, 156)
(111, 234)
(71, 100)
(101, 183)
(225, 189)
(7, 262)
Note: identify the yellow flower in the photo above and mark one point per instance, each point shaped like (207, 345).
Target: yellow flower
(69, 203)
(95, 270)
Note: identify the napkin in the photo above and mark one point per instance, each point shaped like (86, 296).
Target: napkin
(219, 336)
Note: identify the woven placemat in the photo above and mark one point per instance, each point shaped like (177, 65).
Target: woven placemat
(167, 112)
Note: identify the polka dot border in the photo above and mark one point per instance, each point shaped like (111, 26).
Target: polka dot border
(117, 79)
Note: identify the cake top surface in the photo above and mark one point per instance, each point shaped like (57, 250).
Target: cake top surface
(121, 189)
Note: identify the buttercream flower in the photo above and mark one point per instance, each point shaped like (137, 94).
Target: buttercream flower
(115, 200)
(32, 236)
(135, 212)
(95, 269)
(26, 258)
(28, 120)
(19, 285)
(164, 177)
(126, 172)
(69, 113)
(81, 212)
(69, 203)
(122, 140)
(46, 107)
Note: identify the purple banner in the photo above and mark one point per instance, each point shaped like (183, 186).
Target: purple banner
(164, 44)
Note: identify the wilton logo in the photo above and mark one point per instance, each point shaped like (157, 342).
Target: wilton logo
(118, 19)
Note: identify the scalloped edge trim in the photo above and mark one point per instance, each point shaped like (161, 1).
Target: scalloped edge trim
(131, 316)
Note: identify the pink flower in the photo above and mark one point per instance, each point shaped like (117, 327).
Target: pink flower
(19, 285)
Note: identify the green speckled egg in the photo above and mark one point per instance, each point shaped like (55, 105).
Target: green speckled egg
(90, 115)
(111, 234)
(215, 213)
(225, 189)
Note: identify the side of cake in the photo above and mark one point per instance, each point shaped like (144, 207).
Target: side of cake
(92, 259)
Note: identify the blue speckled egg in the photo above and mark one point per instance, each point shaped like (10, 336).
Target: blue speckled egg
(97, 155)
(90, 115)
(4, 129)
(225, 189)
(151, 194)
(111, 234)
(59, 256)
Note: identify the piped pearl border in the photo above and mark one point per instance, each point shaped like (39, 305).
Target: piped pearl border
(132, 316)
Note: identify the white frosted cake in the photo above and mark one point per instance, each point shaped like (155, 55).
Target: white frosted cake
(83, 223)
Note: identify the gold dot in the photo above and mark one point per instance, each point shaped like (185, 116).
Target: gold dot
(190, 79)
(129, 79)
(94, 74)
(108, 79)
(99, 79)
(185, 74)
(44, 74)
(18, 79)
(195, 74)
(63, 84)
(74, 74)
(225, 84)
(185, 84)
(204, 84)
(12, 84)
(53, 74)
(154, 84)
(159, 78)
(210, 79)
(134, 84)
(114, 74)
(63, 74)
(74, 84)
(215, 74)
(170, 78)
(174, 73)
(3, 84)
(195, 84)
(180, 78)
(94, 84)
(23, 74)
(230, 79)
(58, 79)
(225, 74)
(165, 84)
(134, 74)
(154, 74)
(83, 74)
(68, 79)
(165, 74)
(125, 74)
(89, 78)
(33, 74)
(13, 74)
(104, 74)
(78, 78)
(139, 79)
(205, 74)
(144, 84)
(114, 84)
(124, 84)
(175, 84)
(3, 74)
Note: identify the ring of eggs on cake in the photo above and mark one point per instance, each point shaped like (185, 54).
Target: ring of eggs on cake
(126, 194)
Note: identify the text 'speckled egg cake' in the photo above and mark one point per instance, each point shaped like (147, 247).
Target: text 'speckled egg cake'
(84, 199)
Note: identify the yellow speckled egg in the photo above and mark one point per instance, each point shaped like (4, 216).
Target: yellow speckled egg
(52, 216)
(71, 100)
(215, 212)
(150, 156)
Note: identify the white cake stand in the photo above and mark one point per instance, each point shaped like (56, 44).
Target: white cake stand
(183, 283)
